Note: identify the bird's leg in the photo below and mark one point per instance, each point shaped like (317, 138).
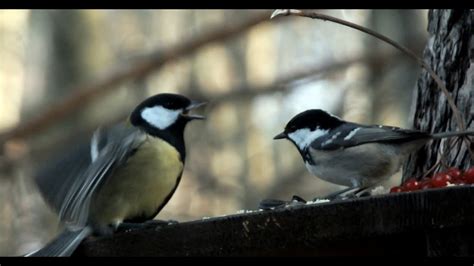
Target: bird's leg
(270, 204)
(350, 193)
(297, 198)
(336, 194)
(104, 230)
(358, 189)
(363, 192)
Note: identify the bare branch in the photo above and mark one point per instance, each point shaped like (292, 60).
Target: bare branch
(84, 94)
(315, 15)
(235, 94)
(283, 83)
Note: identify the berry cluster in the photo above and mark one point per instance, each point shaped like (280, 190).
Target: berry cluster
(451, 176)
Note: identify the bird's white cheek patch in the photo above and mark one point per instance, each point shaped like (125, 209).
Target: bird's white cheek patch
(304, 137)
(159, 116)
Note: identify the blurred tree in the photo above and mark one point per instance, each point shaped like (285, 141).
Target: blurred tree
(451, 55)
(54, 53)
(391, 83)
(57, 55)
(58, 61)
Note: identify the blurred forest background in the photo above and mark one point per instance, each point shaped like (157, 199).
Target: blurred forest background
(256, 79)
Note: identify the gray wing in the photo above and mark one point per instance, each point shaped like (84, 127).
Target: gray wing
(352, 134)
(54, 177)
(116, 146)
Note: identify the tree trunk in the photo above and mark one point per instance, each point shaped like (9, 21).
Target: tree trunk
(450, 52)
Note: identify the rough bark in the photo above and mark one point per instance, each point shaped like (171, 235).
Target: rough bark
(450, 52)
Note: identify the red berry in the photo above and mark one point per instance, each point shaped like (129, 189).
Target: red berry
(411, 185)
(396, 189)
(459, 182)
(468, 175)
(443, 176)
(426, 183)
(441, 180)
(470, 171)
(454, 172)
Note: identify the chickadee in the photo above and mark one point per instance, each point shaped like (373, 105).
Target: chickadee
(128, 175)
(350, 154)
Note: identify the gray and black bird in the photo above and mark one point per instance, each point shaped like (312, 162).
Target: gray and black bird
(350, 154)
(126, 175)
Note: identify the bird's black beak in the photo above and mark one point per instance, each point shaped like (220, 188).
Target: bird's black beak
(282, 135)
(193, 105)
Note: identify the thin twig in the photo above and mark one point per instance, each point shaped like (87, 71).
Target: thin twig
(429, 171)
(420, 61)
(310, 14)
(442, 157)
(149, 63)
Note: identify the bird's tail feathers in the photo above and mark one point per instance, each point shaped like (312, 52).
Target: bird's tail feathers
(452, 134)
(63, 245)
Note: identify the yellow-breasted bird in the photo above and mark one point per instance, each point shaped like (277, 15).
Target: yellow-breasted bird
(129, 174)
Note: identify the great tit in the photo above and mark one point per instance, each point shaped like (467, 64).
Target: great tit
(353, 155)
(129, 174)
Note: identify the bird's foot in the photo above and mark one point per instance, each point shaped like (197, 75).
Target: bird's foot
(351, 195)
(104, 230)
(271, 204)
(364, 194)
(348, 193)
(298, 199)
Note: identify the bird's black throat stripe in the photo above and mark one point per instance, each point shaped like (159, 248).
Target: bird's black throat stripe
(174, 135)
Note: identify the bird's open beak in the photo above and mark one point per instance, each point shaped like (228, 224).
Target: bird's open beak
(193, 105)
(282, 135)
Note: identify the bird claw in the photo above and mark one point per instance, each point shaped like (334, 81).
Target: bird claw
(297, 198)
(280, 12)
(100, 231)
(350, 195)
(271, 204)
